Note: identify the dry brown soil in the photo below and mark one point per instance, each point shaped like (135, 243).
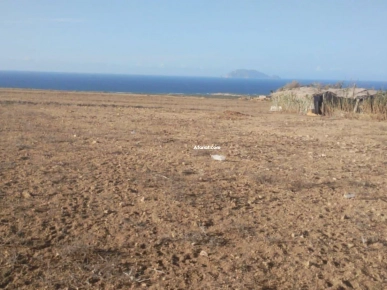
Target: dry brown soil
(106, 191)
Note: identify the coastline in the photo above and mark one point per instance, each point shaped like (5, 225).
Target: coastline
(208, 87)
(199, 95)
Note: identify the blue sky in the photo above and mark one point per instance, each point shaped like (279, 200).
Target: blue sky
(327, 39)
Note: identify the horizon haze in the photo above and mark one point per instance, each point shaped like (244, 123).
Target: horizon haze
(325, 40)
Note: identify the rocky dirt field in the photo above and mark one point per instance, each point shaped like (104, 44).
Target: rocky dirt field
(106, 191)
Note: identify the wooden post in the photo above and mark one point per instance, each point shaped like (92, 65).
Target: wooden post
(323, 104)
(323, 109)
(356, 106)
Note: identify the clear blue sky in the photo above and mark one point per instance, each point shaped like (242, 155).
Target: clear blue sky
(320, 39)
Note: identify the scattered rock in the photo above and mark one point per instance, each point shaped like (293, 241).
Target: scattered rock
(218, 157)
(26, 194)
(304, 234)
(377, 245)
(275, 109)
(203, 253)
(349, 195)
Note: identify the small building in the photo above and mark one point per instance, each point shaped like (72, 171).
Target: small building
(321, 101)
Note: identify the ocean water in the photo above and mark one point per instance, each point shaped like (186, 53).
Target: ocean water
(154, 84)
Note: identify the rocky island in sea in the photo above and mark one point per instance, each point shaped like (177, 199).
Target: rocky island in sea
(249, 74)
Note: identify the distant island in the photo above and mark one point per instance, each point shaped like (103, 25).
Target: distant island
(249, 74)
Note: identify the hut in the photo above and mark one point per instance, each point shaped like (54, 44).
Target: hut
(322, 101)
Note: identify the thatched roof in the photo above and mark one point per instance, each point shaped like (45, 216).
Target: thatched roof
(353, 93)
(357, 93)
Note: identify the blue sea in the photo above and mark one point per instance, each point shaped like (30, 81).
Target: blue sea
(210, 86)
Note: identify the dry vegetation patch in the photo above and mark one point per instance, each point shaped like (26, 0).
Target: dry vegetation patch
(299, 99)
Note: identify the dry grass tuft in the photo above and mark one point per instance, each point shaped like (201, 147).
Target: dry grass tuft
(291, 85)
(376, 106)
(293, 103)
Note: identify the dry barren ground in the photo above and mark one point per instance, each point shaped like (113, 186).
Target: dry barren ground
(102, 191)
